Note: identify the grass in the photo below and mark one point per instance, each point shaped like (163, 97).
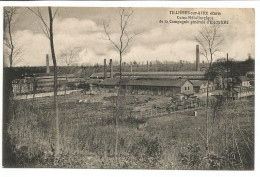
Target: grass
(88, 136)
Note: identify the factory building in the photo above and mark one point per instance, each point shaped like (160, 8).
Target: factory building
(242, 92)
(155, 75)
(44, 82)
(159, 87)
(200, 86)
(153, 83)
(242, 88)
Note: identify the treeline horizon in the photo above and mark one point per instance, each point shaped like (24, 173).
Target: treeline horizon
(241, 68)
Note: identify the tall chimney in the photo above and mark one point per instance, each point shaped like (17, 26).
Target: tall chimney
(47, 64)
(105, 69)
(147, 67)
(197, 58)
(111, 68)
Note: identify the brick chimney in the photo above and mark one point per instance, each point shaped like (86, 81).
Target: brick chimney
(105, 69)
(47, 64)
(197, 58)
(111, 68)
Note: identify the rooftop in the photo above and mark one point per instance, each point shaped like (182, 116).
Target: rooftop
(199, 82)
(243, 78)
(162, 83)
(115, 81)
(176, 73)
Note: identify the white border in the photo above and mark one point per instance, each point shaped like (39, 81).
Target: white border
(83, 172)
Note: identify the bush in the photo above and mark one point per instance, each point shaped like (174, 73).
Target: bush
(84, 86)
(147, 150)
(192, 156)
(71, 85)
(230, 159)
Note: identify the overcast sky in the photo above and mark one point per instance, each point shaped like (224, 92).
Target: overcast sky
(83, 28)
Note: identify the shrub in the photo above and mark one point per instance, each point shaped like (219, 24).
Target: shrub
(230, 159)
(191, 156)
(147, 150)
(71, 85)
(84, 86)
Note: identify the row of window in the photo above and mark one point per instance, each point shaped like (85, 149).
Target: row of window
(187, 88)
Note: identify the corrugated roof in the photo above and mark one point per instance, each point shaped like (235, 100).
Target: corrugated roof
(115, 81)
(162, 83)
(176, 73)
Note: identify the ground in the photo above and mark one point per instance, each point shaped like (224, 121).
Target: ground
(169, 141)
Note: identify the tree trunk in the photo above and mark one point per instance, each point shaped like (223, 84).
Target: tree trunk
(207, 113)
(12, 45)
(120, 69)
(57, 146)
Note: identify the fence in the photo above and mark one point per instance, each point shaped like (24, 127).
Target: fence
(149, 113)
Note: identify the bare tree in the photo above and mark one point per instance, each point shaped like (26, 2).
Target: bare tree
(69, 56)
(48, 31)
(210, 40)
(125, 16)
(11, 49)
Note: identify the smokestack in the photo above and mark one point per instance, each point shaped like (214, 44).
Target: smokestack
(105, 69)
(147, 66)
(111, 68)
(197, 58)
(47, 64)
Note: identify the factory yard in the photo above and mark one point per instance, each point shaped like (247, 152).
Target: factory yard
(166, 141)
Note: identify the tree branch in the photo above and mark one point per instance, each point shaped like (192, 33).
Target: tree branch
(108, 35)
(38, 13)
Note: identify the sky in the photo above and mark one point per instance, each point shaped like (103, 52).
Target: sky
(82, 28)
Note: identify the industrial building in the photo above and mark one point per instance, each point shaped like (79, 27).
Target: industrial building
(242, 88)
(151, 83)
(43, 82)
(159, 87)
(201, 86)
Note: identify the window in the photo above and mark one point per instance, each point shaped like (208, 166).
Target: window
(185, 88)
(188, 88)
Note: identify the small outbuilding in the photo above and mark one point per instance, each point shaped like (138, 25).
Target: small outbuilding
(200, 86)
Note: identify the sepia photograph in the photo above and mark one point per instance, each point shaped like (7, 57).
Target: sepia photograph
(163, 88)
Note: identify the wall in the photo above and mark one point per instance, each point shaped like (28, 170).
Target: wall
(188, 86)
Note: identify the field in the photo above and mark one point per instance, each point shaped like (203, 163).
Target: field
(169, 141)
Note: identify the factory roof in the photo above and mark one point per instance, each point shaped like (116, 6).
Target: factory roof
(115, 81)
(160, 83)
(110, 81)
(51, 76)
(175, 73)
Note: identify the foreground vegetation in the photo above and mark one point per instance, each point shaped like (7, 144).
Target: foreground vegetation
(88, 137)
